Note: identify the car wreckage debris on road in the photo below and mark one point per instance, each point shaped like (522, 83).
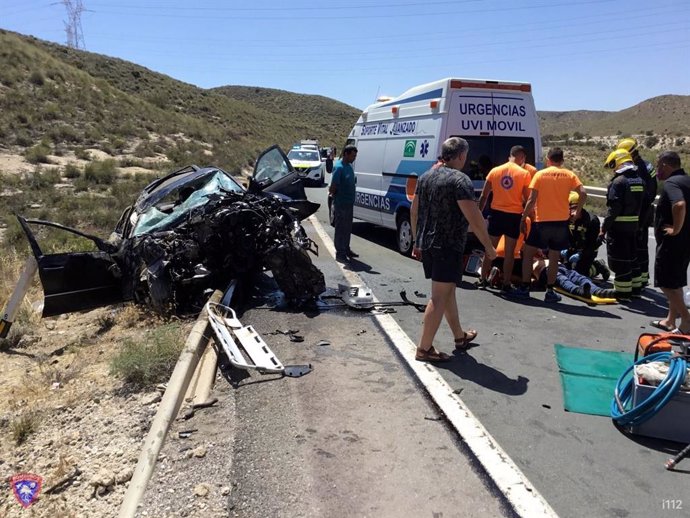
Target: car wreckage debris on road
(193, 230)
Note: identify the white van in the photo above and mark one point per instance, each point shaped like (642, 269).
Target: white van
(399, 139)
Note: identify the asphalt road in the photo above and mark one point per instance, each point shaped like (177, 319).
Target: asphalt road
(581, 464)
(354, 438)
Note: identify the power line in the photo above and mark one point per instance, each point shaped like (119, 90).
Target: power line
(311, 8)
(535, 57)
(388, 15)
(521, 45)
(317, 42)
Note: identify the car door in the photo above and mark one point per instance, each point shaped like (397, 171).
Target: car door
(274, 174)
(75, 281)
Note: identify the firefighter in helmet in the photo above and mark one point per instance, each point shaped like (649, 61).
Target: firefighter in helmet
(581, 254)
(624, 200)
(646, 171)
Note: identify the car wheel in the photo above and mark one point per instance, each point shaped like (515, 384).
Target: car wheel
(404, 234)
(331, 216)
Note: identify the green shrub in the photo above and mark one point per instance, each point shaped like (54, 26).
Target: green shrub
(82, 154)
(149, 361)
(40, 180)
(56, 75)
(145, 149)
(37, 78)
(93, 134)
(38, 154)
(107, 147)
(9, 76)
(64, 133)
(23, 139)
(100, 172)
(23, 427)
(14, 235)
(651, 141)
(50, 112)
(72, 171)
(131, 162)
(119, 145)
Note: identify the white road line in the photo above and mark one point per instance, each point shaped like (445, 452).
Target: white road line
(510, 480)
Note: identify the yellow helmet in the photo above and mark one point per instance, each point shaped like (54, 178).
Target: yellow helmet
(617, 158)
(629, 144)
(573, 198)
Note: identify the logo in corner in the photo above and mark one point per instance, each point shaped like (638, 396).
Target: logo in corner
(26, 487)
(424, 148)
(410, 148)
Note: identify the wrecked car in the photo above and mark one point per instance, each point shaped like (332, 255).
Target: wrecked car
(193, 230)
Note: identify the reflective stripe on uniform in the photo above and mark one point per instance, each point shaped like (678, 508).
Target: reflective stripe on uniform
(627, 218)
(636, 188)
(637, 282)
(622, 286)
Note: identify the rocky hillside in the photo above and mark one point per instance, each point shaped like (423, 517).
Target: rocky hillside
(663, 115)
(70, 98)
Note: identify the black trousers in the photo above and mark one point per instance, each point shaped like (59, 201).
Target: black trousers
(646, 219)
(621, 249)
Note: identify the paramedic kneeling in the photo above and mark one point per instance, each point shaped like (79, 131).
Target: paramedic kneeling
(441, 210)
(672, 232)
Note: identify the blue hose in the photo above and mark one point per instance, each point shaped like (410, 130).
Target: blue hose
(622, 410)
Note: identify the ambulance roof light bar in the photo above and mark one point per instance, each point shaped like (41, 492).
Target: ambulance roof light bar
(492, 85)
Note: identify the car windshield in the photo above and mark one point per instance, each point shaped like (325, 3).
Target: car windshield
(305, 156)
(271, 167)
(171, 209)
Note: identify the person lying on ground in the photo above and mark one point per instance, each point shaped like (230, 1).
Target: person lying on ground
(570, 281)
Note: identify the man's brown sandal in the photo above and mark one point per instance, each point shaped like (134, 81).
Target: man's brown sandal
(462, 344)
(431, 355)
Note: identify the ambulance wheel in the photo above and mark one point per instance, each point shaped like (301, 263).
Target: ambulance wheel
(404, 234)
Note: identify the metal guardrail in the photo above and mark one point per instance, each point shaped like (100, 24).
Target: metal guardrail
(600, 192)
(595, 192)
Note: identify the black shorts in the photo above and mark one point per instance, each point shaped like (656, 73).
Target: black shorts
(671, 264)
(442, 265)
(553, 235)
(517, 265)
(504, 224)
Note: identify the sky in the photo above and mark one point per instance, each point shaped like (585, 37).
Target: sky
(577, 54)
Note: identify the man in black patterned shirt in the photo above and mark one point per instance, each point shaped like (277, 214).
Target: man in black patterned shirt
(442, 208)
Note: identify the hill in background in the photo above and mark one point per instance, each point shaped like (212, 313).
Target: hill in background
(69, 98)
(63, 106)
(663, 115)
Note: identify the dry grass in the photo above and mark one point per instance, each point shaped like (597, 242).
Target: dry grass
(52, 371)
(149, 360)
(23, 426)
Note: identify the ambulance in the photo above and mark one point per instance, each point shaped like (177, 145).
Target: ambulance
(398, 139)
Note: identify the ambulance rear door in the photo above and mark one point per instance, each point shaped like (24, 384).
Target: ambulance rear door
(493, 116)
